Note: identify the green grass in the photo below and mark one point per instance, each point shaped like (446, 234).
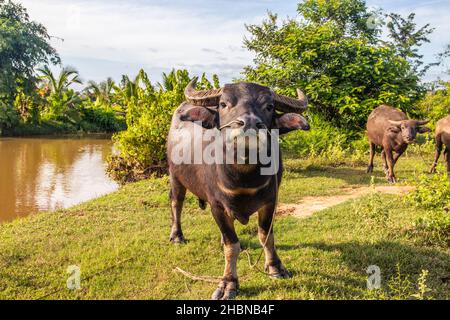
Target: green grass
(120, 242)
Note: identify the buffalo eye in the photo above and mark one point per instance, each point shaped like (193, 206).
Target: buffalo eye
(270, 107)
(223, 105)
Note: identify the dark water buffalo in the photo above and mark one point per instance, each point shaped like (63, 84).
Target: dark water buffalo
(442, 142)
(234, 191)
(391, 129)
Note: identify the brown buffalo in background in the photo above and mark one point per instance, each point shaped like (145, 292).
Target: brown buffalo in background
(391, 129)
(442, 141)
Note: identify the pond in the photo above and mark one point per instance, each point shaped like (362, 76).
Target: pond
(45, 174)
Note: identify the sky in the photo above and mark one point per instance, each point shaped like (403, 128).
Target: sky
(108, 38)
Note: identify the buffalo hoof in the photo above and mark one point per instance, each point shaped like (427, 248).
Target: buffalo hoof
(392, 180)
(227, 290)
(433, 170)
(177, 238)
(278, 272)
(369, 169)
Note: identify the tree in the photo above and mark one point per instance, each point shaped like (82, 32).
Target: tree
(24, 44)
(58, 85)
(333, 52)
(102, 92)
(62, 100)
(408, 39)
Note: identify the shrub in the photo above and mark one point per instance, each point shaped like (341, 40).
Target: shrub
(432, 191)
(98, 119)
(142, 147)
(327, 143)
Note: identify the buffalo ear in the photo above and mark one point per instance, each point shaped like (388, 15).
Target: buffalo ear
(423, 129)
(291, 121)
(206, 116)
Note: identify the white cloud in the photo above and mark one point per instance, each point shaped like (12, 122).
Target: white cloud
(109, 38)
(134, 34)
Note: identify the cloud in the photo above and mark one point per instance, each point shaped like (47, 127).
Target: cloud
(141, 33)
(109, 38)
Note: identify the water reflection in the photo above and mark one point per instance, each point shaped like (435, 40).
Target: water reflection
(41, 174)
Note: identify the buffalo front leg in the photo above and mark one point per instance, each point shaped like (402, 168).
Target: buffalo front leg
(273, 264)
(229, 285)
(391, 164)
(372, 155)
(177, 195)
(384, 161)
(447, 160)
(437, 154)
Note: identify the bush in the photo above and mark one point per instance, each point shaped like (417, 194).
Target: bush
(97, 119)
(142, 147)
(432, 191)
(8, 117)
(328, 143)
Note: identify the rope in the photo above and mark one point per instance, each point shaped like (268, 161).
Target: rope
(246, 251)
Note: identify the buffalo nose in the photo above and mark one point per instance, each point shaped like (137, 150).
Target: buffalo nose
(250, 122)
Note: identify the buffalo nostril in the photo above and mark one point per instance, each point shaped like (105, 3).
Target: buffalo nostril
(240, 122)
(260, 125)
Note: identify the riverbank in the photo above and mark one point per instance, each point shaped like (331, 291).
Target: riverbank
(47, 128)
(120, 242)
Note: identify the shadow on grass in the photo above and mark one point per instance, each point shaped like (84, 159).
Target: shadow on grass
(357, 257)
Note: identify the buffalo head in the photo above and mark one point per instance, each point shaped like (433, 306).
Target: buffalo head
(245, 106)
(409, 129)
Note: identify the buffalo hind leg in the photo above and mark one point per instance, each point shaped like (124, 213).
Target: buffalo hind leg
(229, 285)
(398, 155)
(273, 264)
(177, 195)
(372, 155)
(437, 155)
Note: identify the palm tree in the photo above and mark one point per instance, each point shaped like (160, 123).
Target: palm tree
(62, 100)
(58, 85)
(103, 92)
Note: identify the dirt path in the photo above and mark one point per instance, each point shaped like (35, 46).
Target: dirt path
(310, 205)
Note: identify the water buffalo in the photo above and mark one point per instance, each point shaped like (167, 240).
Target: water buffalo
(391, 129)
(233, 190)
(442, 141)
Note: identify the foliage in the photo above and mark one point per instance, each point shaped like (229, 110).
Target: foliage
(326, 142)
(407, 38)
(432, 228)
(24, 44)
(401, 286)
(436, 103)
(337, 57)
(432, 191)
(149, 112)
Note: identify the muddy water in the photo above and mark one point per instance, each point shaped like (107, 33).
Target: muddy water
(44, 174)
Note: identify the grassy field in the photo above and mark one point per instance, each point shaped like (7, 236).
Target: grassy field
(120, 242)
